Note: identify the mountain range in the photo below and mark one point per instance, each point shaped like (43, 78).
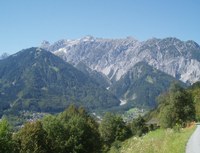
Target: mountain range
(115, 57)
(136, 72)
(99, 74)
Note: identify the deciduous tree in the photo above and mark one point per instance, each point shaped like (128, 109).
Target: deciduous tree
(177, 107)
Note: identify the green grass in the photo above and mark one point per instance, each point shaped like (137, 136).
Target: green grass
(159, 141)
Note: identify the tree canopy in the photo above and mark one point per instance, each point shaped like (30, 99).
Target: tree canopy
(176, 107)
(6, 144)
(112, 128)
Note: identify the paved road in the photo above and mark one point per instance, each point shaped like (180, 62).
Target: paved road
(193, 145)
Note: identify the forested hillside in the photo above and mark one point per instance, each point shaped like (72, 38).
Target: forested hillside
(36, 80)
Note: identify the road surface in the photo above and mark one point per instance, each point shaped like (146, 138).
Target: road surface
(193, 145)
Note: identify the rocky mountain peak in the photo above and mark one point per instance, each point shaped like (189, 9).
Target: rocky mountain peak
(114, 57)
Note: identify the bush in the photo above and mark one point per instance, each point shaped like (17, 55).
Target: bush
(138, 126)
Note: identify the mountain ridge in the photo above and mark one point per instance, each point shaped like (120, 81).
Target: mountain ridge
(37, 80)
(114, 57)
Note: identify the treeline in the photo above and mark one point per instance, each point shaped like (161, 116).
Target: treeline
(72, 131)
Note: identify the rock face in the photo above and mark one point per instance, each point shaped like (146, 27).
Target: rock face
(115, 57)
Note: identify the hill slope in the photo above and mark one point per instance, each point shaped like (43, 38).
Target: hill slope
(35, 79)
(141, 85)
(159, 141)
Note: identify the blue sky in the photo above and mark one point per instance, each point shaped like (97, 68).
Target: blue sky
(26, 23)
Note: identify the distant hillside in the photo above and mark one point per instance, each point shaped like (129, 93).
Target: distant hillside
(35, 79)
(140, 86)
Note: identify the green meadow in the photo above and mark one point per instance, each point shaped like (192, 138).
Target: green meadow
(159, 141)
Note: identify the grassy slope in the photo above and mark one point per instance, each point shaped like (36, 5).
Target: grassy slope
(159, 141)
